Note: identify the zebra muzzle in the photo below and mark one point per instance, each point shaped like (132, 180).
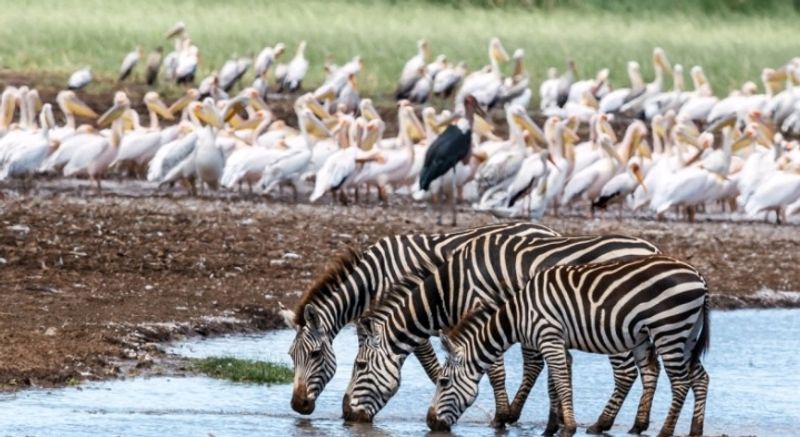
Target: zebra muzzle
(435, 423)
(302, 402)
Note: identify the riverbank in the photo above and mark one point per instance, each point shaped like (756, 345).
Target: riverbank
(93, 284)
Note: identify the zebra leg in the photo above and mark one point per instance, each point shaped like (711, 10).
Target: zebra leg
(558, 366)
(649, 368)
(427, 357)
(555, 417)
(625, 374)
(699, 378)
(532, 365)
(497, 377)
(678, 372)
(554, 420)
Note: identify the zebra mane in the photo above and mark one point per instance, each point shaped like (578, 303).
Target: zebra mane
(336, 271)
(472, 322)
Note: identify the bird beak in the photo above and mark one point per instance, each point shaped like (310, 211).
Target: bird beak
(161, 109)
(499, 53)
(79, 108)
(250, 123)
(644, 151)
(112, 114)
(529, 126)
(483, 127)
(180, 104)
(569, 136)
(208, 117)
(317, 109)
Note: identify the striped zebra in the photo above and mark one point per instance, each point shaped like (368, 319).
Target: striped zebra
(655, 302)
(487, 270)
(344, 292)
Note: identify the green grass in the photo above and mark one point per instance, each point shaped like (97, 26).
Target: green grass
(732, 39)
(236, 370)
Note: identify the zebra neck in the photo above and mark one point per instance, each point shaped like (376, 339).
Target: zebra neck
(494, 336)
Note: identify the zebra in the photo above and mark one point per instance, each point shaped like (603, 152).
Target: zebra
(654, 302)
(351, 283)
(489, 269)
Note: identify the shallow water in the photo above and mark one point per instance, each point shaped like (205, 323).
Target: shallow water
(753, 363)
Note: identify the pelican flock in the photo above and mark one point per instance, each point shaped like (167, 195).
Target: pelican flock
(675, 150)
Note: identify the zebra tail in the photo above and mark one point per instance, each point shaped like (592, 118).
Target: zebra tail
(704, 340)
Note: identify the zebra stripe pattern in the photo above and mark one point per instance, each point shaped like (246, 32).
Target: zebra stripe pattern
(489, 270)
(355, 280)
(609, 308)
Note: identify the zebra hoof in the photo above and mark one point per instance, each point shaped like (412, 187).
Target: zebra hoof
(696, 429)
(568, 431)
(639, 427)
(501, 418)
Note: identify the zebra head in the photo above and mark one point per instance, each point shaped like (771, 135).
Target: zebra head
(376, 373)
(313, 358)
(456, 388)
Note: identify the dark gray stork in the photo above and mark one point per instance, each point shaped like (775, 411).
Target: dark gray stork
(454, 145)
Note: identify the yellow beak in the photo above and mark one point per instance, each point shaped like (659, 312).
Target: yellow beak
(77, 107)
(181, 103)
(161, 109)
(112, 114)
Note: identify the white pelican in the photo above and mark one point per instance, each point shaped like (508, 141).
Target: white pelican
(693, 185)
(129, 63)
(94, 157)
(348, 97)
(267, 57)
(555, 90)
(209, 159)
(617, 189)
(80, 78)
(484, 84)
(739, 103)
(153, 65)
(70, 106)
(597, 87)
(699, 104)
(25, 159)
(289, 166)
(614, 100)
(776, 192)
(388, 166)
(588, 183)
(635, 103)
(141, 144)
(413, 70)
(296, 70)
(340, 166)
(674, 100)
(172, 154)
(560, 148)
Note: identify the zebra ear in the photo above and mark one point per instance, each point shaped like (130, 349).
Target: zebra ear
(311, 317)
(288, 316)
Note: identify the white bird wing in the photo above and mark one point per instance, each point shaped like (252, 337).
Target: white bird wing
(83, 157)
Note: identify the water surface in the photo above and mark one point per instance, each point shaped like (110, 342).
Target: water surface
(753, 363)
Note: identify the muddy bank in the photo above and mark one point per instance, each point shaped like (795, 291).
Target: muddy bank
(90, 283)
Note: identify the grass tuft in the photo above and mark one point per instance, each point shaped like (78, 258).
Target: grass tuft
(238, 370)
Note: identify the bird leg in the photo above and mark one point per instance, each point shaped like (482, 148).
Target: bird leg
(440, 203)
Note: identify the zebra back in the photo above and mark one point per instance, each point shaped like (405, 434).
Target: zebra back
(488, 269)
(355, 280)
